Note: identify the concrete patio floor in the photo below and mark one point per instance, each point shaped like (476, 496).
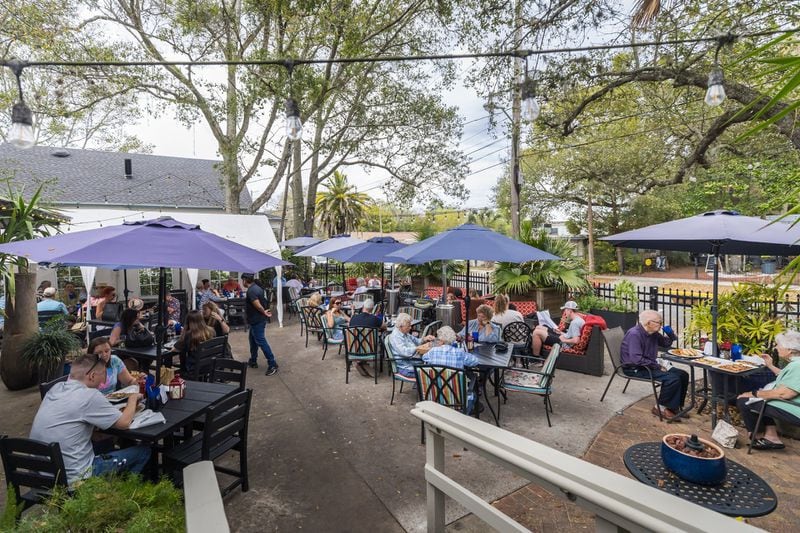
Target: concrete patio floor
(325, 456)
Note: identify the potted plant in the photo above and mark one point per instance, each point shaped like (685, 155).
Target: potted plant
(47, 350)
(545, 282)
(745, 316)
(622, 311)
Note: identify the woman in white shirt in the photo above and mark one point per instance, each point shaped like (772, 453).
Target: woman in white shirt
(502, 314)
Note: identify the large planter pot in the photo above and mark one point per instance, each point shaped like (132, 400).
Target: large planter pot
(625, 320)
(700, 470)
(20, 324)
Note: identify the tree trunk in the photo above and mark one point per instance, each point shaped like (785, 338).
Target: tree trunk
(590, 231)
(230, 174)
(20, 324)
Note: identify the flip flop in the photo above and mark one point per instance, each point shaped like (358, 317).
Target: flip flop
(765, 444)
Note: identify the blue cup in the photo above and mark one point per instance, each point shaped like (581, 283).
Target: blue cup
(475, 336)
(178, 328)
(736, 352)
(668, 330)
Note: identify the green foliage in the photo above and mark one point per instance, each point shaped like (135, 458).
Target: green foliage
(9, 517)
(112, 503)
(746, 315)
(567, 274)
(341, 208)
(22, 220)
(47, 348)
(625, 299)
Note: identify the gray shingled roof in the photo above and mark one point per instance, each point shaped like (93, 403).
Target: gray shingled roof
(98, 178)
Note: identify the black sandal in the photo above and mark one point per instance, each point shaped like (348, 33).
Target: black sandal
(766, 444)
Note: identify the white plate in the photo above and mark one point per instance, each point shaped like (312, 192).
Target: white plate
(130, 389)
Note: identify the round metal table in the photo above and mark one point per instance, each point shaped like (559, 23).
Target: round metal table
(743, 493)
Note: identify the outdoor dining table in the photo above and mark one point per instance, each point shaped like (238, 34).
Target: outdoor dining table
(145, 354)
(715, 395)
(179, 414)
(742, 493)
(491, 359)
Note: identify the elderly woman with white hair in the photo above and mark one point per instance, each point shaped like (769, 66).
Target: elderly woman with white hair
(405, 346)
(782, 395)
(446, 354)
(361, 286)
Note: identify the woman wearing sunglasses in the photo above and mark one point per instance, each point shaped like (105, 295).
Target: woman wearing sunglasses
(336, 319)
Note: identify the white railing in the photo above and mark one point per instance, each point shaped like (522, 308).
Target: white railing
(619, 503)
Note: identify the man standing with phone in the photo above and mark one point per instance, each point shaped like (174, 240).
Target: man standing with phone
(257, 313)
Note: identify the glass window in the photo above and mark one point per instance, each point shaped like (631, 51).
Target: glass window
(148, 280)
(66, 275)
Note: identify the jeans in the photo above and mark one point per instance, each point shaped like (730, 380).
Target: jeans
(258, 339)
(132, 459)
(674, 384)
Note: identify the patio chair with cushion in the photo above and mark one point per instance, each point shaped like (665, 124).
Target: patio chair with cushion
(528, 380)
(312, 317)
(613, 339)
(444, 385)
(585, 356)
(34, 465)
(300, 303)
(396, 376)
(362, 296)
(361, 344)
(518, 334)
(46, 316)
(328, 338)
(775, 413)
(224, 430)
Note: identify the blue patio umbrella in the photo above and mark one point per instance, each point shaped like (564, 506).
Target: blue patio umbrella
(337, 242)
(300, 242)
(715, 233)
(160, 243)
(470, 242)
(375, 250)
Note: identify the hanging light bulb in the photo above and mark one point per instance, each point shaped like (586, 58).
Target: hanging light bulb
(294, 127)
(21, 132)
(715, 94)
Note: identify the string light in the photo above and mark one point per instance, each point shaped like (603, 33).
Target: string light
(21, 132)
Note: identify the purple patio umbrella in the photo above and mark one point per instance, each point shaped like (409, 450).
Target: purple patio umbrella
(375, 250)
(470, 242)
(300, 242)
(160, 243)
(715, 233)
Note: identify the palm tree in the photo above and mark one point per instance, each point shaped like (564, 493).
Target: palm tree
(341, 208)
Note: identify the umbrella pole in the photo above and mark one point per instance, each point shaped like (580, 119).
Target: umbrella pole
(383, 284)
(326, 272)
(714, 303)
(125, 291)
(467, 300)
(162, 289)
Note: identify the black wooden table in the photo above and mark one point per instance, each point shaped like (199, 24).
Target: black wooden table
(146, 355)
(715, 394)
(491, 360)
(742, 493)
(179, 415)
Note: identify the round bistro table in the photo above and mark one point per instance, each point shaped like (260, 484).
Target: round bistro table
(743, 493)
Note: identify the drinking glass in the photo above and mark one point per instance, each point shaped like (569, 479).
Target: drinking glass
(736, 352)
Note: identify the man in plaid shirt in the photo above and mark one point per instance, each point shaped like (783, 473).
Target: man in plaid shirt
(445, 354)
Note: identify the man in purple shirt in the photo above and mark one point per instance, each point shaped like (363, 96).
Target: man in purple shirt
(638, 355)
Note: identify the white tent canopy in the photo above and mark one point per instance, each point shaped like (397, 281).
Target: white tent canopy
(252, 231)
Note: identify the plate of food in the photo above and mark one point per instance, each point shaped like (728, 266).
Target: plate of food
(122, 394)
(686, 353)
(738, 366)
(710, 361)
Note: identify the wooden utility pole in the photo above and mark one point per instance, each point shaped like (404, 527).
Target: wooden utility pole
(590, 231)
(516, 105)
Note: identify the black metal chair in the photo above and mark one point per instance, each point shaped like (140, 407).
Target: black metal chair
(46, 316)
(299, 304)
(431, 329)
(613, 339)
(444, 385)
(396, 376)
(228, 371)
(235, 312)
(773, 413)
(313, 320)
(32, 464)
(199, 363)
(518, 334)
(224, 429)
(44, 387)
(361, 344)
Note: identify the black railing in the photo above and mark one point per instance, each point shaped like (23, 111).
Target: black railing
(676, 305)
(481, 282)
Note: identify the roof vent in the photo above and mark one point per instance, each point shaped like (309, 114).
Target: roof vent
(128, 168)
(60, 153)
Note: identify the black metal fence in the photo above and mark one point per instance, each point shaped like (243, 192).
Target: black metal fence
(482, 282)
(676, 304)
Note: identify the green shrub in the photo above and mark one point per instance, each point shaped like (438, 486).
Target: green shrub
(112, 503)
